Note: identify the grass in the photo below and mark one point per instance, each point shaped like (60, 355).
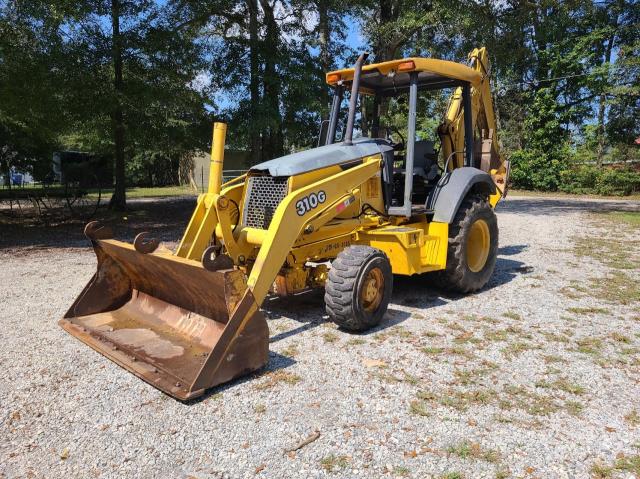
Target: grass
(552, 358)
(473, 450)
(330, 337)
(290, 351)
(386, 377)
(153, 192)
(632, 418)
(276, 377)
(458, 400)
(614, 253)
(430, 334)
(460, 351)
(532, 403)
(588, 310)
(617, 287)
(466, 377)
(600, 471)
(432, 350)
(512, 315)
(332, 462)
(397, 331)
(610, 248)
(571, 292)
(401, 471)
(630, 464)
(620, 338)
(419, 407)
(558, 338)
(517, 348)
(589, 345)
(563, 385)
(161, 191)
(560, 194)
(410, 379)
(461, 400)
(452, 475)
(496, 335)
(455, 350)
(465, 337)
(631, 218)
(503, 474)
(574, 407)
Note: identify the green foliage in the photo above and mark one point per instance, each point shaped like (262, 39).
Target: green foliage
(534, 170)
(585, 179)
(566, 78)
(538, 166)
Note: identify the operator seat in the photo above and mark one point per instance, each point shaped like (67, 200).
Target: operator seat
(425, 160)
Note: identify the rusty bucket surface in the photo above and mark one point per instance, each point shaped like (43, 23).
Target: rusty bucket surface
(168, 320)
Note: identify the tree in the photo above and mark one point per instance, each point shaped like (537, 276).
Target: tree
(29, 108)
(110, 76)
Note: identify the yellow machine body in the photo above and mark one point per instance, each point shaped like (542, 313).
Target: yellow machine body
(188, 320)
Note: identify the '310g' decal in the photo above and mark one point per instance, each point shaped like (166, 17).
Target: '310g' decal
(306, 204)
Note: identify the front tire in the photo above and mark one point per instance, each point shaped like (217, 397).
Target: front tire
(358, 289)
(473, 246)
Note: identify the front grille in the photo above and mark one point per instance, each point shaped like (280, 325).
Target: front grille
(264, 194)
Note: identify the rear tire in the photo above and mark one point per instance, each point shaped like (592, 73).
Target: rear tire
(473, 247)
(358, 289)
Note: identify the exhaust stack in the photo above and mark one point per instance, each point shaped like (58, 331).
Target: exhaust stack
(353, 101)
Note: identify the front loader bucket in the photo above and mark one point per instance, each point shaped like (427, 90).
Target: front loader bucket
(168, 320)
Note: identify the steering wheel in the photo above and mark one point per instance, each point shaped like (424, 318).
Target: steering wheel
(396, 146)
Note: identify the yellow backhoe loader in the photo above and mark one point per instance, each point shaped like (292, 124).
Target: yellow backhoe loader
(345, 216)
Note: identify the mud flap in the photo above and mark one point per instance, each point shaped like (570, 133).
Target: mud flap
(179, 327)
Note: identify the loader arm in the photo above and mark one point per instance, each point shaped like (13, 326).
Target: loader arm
(452, 129)
(288, 223)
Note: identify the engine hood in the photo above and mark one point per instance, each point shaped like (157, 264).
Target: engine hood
(322, 157)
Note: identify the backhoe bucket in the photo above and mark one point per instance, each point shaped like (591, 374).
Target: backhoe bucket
(168, 320)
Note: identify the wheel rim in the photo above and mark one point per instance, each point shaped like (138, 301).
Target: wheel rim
(372, 290)
(478, 245)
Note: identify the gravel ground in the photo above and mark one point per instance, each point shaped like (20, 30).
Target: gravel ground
(538, 375)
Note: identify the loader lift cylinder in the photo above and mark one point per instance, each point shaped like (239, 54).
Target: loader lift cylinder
(217, 157)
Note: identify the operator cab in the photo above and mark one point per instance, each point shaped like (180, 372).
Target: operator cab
(413, 167)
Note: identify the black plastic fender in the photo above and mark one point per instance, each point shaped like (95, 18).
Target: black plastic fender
(452, 188)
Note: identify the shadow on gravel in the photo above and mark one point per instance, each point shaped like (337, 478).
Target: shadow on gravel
(512, 249)
(309, 310)
(276, 362)
(423, 293)
(165, 218)
(559, 206)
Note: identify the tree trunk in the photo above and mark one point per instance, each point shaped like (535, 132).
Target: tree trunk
(254, 83)
(118, 199)
(324, 34)
(602, 106)
(273, 147)
(383, 49)
(5, 170)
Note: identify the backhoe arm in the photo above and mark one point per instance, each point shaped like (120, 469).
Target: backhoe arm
(452, 131)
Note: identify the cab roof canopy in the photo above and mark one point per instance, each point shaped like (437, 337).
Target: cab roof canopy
(392, 77)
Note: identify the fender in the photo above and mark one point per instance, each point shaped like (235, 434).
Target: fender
(452, 188)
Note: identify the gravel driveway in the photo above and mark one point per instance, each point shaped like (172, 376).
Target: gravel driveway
(538, 375)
